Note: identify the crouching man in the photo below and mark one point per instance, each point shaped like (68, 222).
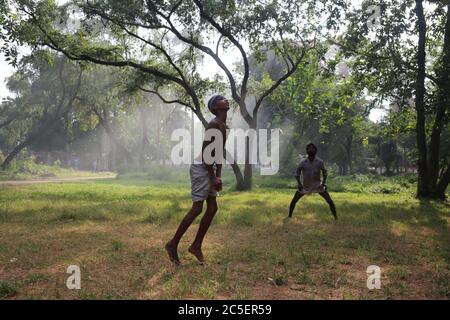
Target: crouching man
(310, 169)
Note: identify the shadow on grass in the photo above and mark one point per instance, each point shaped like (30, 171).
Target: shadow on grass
(319, 254)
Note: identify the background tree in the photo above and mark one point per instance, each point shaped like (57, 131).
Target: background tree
(45, 94)
(204, 27)
(325, 107)
(394, 55)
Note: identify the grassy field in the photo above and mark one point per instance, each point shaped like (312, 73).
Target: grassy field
(29, 170)
(115, 231)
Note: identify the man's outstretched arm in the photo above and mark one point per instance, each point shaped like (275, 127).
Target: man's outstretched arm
(324, 174)
(297, 177)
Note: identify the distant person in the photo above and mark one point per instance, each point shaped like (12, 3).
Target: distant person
(310, 169)
(205, 183)
(75, 162)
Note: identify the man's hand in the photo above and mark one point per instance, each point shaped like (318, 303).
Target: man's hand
(324, 186)
(217, 184)
(299, 187)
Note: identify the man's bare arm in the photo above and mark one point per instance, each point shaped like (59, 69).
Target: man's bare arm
(297, 177)
(218, 170)
(324, 174)
(209, 167)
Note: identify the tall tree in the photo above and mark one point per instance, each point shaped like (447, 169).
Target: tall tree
(204, 27)
(407, 56)
(47, 93)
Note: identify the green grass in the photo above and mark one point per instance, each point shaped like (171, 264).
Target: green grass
(6, 290)
(29, 170)
(115, 231)
(356, 183)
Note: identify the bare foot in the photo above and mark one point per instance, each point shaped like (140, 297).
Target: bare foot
(197, 252)
(172, 252)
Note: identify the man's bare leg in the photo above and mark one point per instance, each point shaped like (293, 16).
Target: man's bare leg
(196, 247)
(330, 202)
(172, 245)
(294, 201)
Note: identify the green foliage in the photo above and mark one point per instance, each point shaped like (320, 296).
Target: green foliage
(373, 184)
(7, 290)
(27, 169)
(44, 94)
(327, 100)
(385, 59)
(117, 245)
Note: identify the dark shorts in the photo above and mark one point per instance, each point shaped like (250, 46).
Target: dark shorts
(312, 189)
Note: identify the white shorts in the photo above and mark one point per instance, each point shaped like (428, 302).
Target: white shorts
(201, 186)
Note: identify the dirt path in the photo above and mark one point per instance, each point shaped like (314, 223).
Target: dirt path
(53, 180)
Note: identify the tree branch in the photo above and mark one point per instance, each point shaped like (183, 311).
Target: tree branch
(234, 41)
(278, 83)
(166, 100)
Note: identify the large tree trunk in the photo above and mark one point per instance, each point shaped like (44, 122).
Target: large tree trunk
(348, 148)
(422, 184)
(248, 167)
(47, 129)
(144, 138)
(443, 184)
(430, 185)
(50, 124)
(14, 153)
(240, 184)
(437, 188)
(158, 136)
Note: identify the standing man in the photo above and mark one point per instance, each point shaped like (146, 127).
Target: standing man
(310, 169)
(205, 183)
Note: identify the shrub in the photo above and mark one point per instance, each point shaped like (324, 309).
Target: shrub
(386, 189)
(7, 290)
